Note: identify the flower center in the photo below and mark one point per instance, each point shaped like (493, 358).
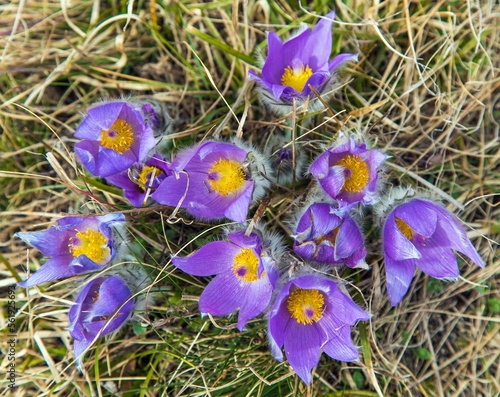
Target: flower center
(358, 175)
(226, 176)
(245, 265)
(92, 244)
(148, 173)
(119, 137)
(296, 78)
(331, 236)
(306, 305)
(404, 228)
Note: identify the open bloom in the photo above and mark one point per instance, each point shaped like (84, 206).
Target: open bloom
(326, 235)
(211, 180)
(246, 275)
(311, 314)
(101, 307)
(142, 179)
(420, 233)
(303, 61)
(349, 172)
(114, 136)
(75, 245)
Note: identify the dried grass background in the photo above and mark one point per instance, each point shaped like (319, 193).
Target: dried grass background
(434, 67)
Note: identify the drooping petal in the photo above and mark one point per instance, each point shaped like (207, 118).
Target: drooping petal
(223, 295)
(212, 258)
(438, 260)
(303, 348)
(340, 346)
(341, 59)
(349, 239)
(54, 269)
(257, 300)
(398, 278)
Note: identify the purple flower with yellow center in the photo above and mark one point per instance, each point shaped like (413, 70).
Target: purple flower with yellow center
(309, 315)
(349, 172)
(326, 235)
(114, 136)
(211, 180)
(420, 233)
(75, 245)
(303, 61)
(101, 307)
(245, 275)
(142, 179)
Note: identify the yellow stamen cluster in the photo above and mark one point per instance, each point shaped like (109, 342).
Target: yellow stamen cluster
(246, 265)
(144, 178)
(330, 236)
(230, 176)
(119, 137)
(306, 305)
(404, 228)
(360, 174)
(296, 79)
(93, 244)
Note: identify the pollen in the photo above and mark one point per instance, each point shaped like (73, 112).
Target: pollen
(148, 172)
(296, 79)
(246, 265)
(119, 137)
(226, 176)
(404, 228)
(358, 175)
(91, 243)
(331, 236)
(306, 305)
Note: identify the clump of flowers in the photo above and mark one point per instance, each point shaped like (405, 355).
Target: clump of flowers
(420, 233)
(309, 315)
(296, 67)
(75, 245)
(246, 274)
(307, 312)
(213, 180)
(348, 172)
(114, 136)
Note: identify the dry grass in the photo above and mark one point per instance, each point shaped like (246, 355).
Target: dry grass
(433, 66)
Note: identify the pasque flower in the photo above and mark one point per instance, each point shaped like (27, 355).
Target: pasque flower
(245, 272)
(349, 172)
(114, 136)
(213, 180)
(141, 179)
(303, 61)
(309, 315)
(77, 244)
(421, 233)
(327, 235)
(101, 307)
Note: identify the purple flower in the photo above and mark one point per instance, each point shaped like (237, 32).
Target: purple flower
(245, 276)
(302, 61)
(142, 179)
(115, 136)
(101, 307)
(211, 180)
(326, 235)
(349, 172)
(420, 233)
(75, 245)
(310, 315)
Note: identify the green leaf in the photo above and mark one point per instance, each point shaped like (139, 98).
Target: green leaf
(423, 353)
(359, 379)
